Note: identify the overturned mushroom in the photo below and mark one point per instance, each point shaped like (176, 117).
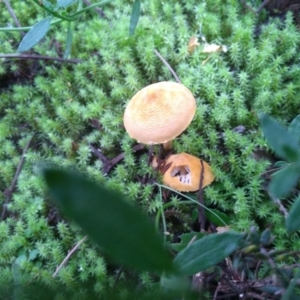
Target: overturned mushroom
(184, 171)
(160, 112)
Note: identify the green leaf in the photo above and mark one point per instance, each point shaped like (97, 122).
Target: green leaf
(292, 222)
(284, 180)
(48, 4)
(118, 227)
(216, 217)
(266, 237)
(213, 215)
(33, 254)
(280, 140)
(186, 238)
(135, 15)
(280, 164)
(290, 292)
(64, 3)
(207, 252)
(173, 282)
(34, 35)
(294, 128)
(69, 41)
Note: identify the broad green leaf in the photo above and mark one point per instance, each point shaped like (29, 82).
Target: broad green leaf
(34, 35)
(292, 222)
(280, 140)
(118, 227)
(207, 252)
(64, 3)
(284, 180)
(294, 128)
(135, 15)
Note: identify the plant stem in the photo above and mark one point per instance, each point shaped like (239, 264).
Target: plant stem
(201, 214)
(187, 202)
(52, 12)
(90, 7)
(12, 13)
(42, 57)
(68, 256)
(26, 27)
(167, 65)
(60, 17)
(10, 190)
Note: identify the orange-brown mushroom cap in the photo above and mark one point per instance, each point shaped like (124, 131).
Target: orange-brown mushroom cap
(159, 112)
(184, 171)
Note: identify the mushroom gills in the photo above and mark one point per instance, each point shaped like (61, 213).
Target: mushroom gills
(184, 174)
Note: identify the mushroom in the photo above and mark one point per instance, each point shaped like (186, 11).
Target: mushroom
(183, 172)
(159, 113)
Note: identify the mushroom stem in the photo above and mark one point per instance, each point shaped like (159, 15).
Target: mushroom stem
(167, 146)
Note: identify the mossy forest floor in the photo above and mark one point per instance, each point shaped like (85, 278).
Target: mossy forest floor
(70, 113)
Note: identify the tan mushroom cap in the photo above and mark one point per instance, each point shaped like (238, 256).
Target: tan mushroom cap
(184, 173)
(159, 112)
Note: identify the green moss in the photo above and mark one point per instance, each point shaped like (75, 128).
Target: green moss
(59, 103)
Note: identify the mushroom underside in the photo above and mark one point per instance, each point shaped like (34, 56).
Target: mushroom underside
(183, 173)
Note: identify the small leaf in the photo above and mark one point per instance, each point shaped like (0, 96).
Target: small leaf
(284, 181)
(294, 128)
(21, 260)
(266, 237)
(120, 228)
(290, 293)
(69, 41)
(33, 254)
(292, 222)
(216, 217)
(34, 35)
(64, 3)
(174, 283)
(207, 252)
(48, 4)
(135, 15)
(280, 140)
(186, 238)
(280, 163)
(271, 289)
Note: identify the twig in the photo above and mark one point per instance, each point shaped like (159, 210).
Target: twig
(8, 192)
(167, 65)
(192, 240)
(12, 13)
(216, 291)
(100, 155)
(255, 296)
(118, 158)
(256, 11)
(109, 164)
(281, 207)
(201, 216)
(68, 256)
(118, 277)
(43, 57)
